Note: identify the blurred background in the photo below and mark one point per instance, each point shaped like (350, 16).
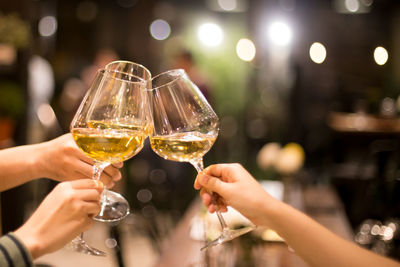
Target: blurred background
(317, 78)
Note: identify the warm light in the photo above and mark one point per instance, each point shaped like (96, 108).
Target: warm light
(47, 26)
(160, 29)
(210, 34)
(352, 5)
(280, 33)
(381, 55)
(317, 53)
(246, 49)
(46, 115)
(227, 5)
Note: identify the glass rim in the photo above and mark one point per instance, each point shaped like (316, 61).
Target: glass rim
(130, 62)
(182, 72)
(109, 72)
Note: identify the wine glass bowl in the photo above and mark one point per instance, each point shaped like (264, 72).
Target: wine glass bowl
(185, 125)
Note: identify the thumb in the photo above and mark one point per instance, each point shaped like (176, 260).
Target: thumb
(211, 183)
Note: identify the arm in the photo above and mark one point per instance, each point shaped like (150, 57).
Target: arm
(66, 212)
(59, 159)
(313, 242)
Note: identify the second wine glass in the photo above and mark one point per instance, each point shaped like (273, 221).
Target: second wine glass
(109, 127)
(140, 71)
(185, 128)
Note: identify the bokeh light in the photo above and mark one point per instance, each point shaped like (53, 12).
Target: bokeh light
(352, 5)
(317, 52)
(210, 34)
(381, 55)
(46, 115)
(160, 29)
(227, 5)
(144, 195)
(280, 33)
(86, 11)
(47, 26)
(246, 50)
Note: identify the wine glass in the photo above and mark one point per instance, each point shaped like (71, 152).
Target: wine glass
(141, 71)
(184, 129)
(109, 127)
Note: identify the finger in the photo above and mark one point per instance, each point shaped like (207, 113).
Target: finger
(92, 208)
(107, 180)
(87, 184)
(216, 170)
(89, 195)
(211, 183)
(205, 197)
(113, 172)
(79, 154)
(118, 165)
(196, 184)
(212, 209)
(83, 169)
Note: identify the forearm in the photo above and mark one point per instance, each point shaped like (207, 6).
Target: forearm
(19, 165)
(317, 245)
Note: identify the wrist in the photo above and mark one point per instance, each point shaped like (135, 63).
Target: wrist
(38, 166)
(271, 211)
(31, 243)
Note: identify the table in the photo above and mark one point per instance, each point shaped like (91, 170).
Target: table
(319, 202)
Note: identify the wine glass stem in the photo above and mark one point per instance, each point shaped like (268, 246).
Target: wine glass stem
(98, 168)
(198, 164)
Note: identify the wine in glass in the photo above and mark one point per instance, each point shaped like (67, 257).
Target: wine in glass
(184, 129)
(109, 127)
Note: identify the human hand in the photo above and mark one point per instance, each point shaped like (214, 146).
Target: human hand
(237, 188)
(62, 160)
(67, 211)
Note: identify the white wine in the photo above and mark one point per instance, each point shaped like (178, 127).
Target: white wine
(182, 146)
(109, 145)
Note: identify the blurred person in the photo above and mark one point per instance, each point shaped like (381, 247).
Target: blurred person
(184, 60)
(75, 88)
(101, 59)
(314, 243)
(67, 211)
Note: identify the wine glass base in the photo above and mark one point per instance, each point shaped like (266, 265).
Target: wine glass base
(79, 245)
(228, 235)
(114, 208)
